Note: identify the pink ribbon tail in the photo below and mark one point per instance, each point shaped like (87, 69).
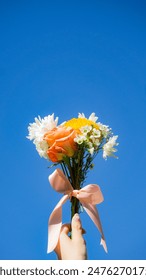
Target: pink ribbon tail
(91, 210)
(55, 223)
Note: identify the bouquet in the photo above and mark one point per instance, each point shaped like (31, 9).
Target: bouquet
(73, 145)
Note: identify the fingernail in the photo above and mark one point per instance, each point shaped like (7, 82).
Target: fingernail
(76, 217)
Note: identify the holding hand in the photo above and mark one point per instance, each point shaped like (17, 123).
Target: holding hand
(75, 248)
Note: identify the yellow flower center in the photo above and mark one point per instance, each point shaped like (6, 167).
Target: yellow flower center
(80, 122)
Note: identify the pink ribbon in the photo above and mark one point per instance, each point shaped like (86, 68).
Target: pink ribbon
(88, 197)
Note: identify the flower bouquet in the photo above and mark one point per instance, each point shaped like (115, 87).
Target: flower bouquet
(73, 145)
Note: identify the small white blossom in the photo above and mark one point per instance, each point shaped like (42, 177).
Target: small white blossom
(80, 139)
(96, 142)
(92, 138)
(37, 131)
(91, 151)
(105, 129)
(96, 133)
(86, 129)
(108, 148)
(89, 144)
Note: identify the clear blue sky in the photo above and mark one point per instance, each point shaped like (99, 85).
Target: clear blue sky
(68, 57)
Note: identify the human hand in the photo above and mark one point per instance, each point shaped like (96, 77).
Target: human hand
(75, 248)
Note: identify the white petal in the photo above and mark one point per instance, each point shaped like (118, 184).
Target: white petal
(81, 115)
(93, 118)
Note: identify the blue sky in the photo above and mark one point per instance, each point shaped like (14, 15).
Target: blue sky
(68, 57)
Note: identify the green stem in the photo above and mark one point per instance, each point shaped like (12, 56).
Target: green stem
(74, 206)
(71, 169)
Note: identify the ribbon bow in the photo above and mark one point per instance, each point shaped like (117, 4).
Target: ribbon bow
(88, 197)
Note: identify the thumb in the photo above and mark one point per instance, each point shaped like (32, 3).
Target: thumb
(76, 228)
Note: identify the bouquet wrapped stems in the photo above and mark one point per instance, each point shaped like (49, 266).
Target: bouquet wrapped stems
(74, 206)
(70, 169)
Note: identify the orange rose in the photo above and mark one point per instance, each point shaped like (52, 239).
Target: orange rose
(61, 143)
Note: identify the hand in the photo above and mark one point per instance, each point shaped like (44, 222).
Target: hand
(75, 248)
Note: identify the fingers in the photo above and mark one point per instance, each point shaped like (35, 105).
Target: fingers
(65, 229)
(71, 248)
(64, 233)
(77, 229)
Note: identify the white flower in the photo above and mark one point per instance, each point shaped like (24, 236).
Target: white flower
(92, 138)
(37, 131)
(96, 142)
(80, 139)
(108, 148)
(105, 129)
(86, 129)
(89, 144)
(96, 133)
(91, 151)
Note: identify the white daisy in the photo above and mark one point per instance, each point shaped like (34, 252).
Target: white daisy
(108, 148)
